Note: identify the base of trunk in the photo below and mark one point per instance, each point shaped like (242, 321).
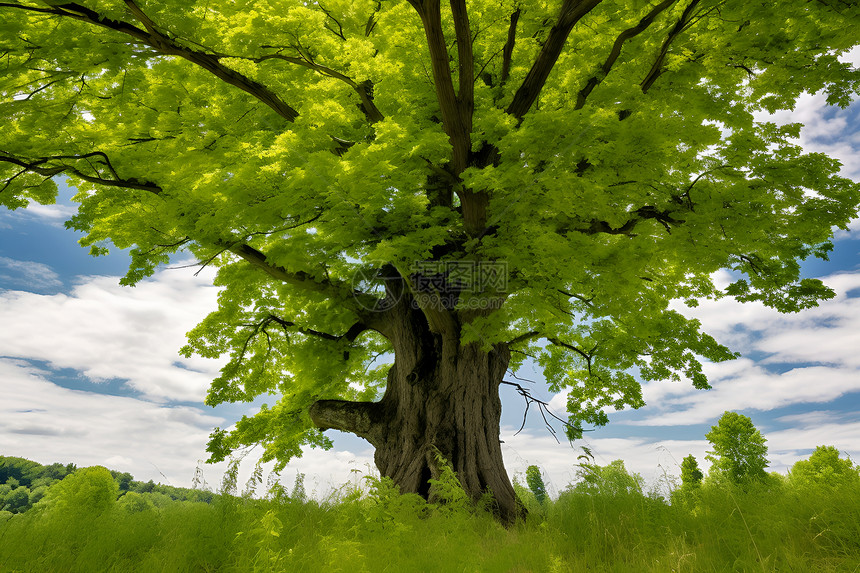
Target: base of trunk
(444, 404)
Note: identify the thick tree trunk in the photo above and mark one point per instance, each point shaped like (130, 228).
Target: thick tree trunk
(443, 396)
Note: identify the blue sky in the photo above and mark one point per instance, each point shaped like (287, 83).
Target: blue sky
(90, 373)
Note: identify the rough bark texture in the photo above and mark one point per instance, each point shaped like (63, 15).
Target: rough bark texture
(441, 396)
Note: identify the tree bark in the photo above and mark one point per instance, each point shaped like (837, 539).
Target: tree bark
(441, 396)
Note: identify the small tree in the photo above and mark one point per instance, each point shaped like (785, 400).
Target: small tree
(88, 491)
(740, 453)
(535, 482)
(691, 475)
(824, 467)
(612, 479)
(691, 480)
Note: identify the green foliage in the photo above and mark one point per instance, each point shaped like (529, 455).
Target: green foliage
(691, 475)
(86, 490)
(824, 468)
(535, 483)
(608, 526)
(740, 453)
(316, 136)
(611, 480)
(446, 490)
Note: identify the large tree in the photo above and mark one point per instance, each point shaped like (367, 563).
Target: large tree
(405, 200)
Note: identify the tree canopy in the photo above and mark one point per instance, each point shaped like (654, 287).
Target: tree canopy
(403, 178)
(740, 453)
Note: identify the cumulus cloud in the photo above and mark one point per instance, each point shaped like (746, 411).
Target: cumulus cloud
(804, 358)
(106, 331)
(48, 423)
(166, 443)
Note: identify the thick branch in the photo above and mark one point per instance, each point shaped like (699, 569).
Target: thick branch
(456, 112)
(350, 335)
(346, 416)
(627, 34)
(465, 57)
(679, 27)
(162, 43)
(508, 50)
(297, 278)
(571, 12)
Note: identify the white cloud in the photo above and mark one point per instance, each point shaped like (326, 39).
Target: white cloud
(28, 274)
(42, 421)
(54, 215)
(796, 443)
(107, 331)
(807, 357)
(48, 423)
(51, 213)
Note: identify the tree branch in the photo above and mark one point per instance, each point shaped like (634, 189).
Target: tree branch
(350, 335)
(339, 31)
(586, 355)
(615, 52)
(571, 12)
(465, 58)
(363, 89)
(43, 166)
(543, 407)
(362, 304)
(508, 50)
(657, 67)
(163, 44)
(523, 337)
(456, 112)
(358, 418)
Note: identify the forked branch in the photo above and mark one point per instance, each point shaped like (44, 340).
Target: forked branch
(572, 11)
(543, 408)
(680, 26)
(456, 108)
(154, 37)
(615, 52)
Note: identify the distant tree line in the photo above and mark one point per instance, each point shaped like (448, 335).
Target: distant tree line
(738, 459)
(24, 483)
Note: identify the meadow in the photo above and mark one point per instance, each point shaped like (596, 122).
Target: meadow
(604, 522)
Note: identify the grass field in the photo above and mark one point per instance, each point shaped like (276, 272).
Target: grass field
(770, 526)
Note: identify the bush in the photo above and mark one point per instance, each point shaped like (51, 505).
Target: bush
(87, 490)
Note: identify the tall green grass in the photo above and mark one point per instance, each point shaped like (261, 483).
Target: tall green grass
(761, 527)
